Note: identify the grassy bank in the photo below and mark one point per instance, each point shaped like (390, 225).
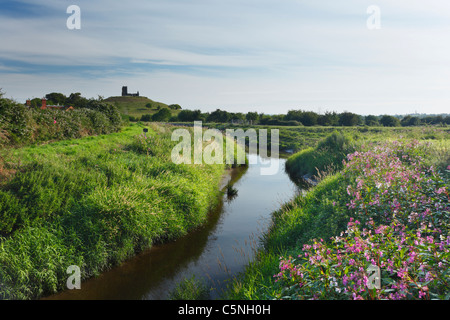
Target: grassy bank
(94, 202)
(388, 205)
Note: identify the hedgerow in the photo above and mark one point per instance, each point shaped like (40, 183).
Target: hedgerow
(22, 125)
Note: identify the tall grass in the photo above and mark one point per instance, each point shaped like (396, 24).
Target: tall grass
(327, 156)
(190, 289)
(94, 202)
(325, 211)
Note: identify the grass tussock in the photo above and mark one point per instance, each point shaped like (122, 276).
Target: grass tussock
(190, 289)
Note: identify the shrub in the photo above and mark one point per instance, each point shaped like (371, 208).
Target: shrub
(162, 115)
(401, 211)
(146, 118)
(23, 125)
(15, 119)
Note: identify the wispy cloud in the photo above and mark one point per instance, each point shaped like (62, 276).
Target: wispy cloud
(289, 53)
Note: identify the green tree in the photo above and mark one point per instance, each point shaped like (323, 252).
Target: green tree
(162, 115)
(190, 115)
(447, 120)
(109, 110)
(409, 121)
(77, 101)
(146, 117)
(56, 98)
(348, 119)
(36, 103)
(371, 121)
(175, 107)
(307, 118)
(328, 119)
(219, 116)
(390, 121)
(251, 116)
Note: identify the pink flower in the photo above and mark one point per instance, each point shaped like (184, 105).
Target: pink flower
(441, 190)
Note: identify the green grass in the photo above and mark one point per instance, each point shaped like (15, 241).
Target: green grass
(137, 106)
(94, 202)
(300, 138)
(323, 159)
(190, 289)
(315, 214)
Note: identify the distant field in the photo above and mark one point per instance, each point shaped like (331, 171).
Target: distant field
(137, 106)
(296, 138)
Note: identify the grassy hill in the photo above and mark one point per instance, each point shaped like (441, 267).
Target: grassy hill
(137, 106)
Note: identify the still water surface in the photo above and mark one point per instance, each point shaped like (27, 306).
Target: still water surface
(214, 252)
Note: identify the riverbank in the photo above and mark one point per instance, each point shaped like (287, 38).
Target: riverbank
(321, 244)
(212, 253)
(93, 203)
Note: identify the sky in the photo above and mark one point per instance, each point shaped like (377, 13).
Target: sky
(269, 56)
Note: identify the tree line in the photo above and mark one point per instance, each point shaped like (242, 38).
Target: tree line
(298, 118)
(292, 118)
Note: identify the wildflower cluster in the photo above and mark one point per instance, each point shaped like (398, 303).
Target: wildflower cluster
(401, 226)
(391, 183)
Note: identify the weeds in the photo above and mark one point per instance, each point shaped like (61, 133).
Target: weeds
(190, 289)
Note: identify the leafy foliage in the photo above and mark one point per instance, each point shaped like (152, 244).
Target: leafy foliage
(403, 212)
(22, 125)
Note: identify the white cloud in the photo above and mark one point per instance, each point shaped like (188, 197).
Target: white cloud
(258, 53)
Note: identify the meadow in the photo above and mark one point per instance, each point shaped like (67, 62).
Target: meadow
(94, 202)
(382, 199)
(82, 188)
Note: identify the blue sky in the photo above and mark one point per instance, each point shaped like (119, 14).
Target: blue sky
(268, 56)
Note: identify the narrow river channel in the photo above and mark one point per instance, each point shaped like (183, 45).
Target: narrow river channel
(214, 252)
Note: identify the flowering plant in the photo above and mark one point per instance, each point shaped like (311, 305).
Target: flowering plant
(400, 225)
(412, 266)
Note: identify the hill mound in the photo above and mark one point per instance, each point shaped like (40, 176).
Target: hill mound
(136, 106)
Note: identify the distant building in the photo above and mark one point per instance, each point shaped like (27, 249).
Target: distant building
(45, 106)
(126, 94)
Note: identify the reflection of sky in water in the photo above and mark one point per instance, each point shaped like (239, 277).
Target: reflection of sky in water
(213, 252)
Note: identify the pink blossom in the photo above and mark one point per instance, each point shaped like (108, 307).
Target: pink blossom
(440, 190)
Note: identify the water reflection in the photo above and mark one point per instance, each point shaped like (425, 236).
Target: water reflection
(216, 251)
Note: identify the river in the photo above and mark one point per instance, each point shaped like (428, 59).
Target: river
(215, 252)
